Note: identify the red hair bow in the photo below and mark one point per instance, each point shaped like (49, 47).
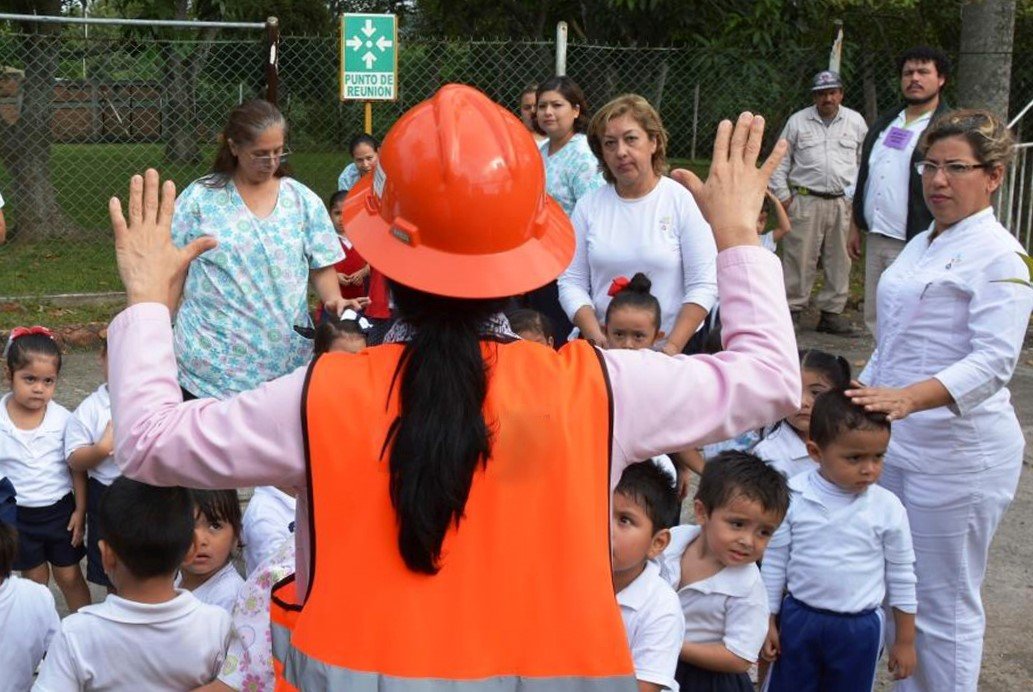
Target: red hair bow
(618, 285)
(19, 332)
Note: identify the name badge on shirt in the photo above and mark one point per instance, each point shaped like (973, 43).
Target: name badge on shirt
(897, 138)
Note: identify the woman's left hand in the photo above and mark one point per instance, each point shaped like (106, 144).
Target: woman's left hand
(336, 306)
(897, 404)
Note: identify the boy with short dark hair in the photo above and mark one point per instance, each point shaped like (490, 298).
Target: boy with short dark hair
(643, 504)
(151, 635)
(844, 548)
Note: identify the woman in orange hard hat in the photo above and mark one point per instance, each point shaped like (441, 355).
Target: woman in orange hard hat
(454, 483)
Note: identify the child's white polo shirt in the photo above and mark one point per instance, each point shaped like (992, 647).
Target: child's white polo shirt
(784, 451)
(655, 626)
(86, 426)
(266, 524)
(28, 623)
(34, 460)
(126, 645)
(221, 589)
(729, 608)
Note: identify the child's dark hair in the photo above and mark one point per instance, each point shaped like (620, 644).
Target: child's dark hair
(835, 369)
(8, 549)
(219, 506)
(528, 320)
(331, 327)
(338, 196)
(733, 474)
(636, 295)
(359, 140)
(149, 528)
(835, 413)
(23, 348)
(652, 488)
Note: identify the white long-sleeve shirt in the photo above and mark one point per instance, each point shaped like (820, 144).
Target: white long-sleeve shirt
(663, 235)
(841, 551)
(945, 313)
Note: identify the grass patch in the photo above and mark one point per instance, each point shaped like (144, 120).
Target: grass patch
(29, 312)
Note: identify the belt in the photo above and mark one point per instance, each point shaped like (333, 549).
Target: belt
(815, 193)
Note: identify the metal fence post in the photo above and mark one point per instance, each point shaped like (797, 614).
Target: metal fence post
(561, 48)
(272, 74)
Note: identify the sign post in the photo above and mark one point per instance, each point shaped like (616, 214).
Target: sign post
(369, 60)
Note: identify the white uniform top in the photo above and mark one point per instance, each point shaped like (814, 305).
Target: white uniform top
(841, 551)
(784, 451)
(888, 185)
(86, 427)
(34, 460)
(944, 313)
(28, 621)
(655, 626)
(729, 608)
(125, 645)
(1, 201)
(266, 524)
(221, 589)
(662, 235)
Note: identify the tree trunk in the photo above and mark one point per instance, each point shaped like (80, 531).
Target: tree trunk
(180, 124)
(984, 70)
(871, 94)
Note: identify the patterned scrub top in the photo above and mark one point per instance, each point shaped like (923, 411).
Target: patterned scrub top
(572, 172)
(235, 327)
(349, 176)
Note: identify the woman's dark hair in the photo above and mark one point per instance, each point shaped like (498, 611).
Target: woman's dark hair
(926, 54)
(835, 369)
(21, 350)
(219, 505)
(8, 549)
(528, 320)
(636, 295)
(440, 434)
(244, 125)
(331, 327)
(569, 90)
(360, 139)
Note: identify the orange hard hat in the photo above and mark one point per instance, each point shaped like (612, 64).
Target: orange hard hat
(457, 204)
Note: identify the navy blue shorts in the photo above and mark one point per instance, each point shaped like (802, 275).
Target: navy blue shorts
(8, 507)
(43, 536)
(94, 566)
(695, 679)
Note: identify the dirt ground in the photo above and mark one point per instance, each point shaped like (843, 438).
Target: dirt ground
(1007, 592)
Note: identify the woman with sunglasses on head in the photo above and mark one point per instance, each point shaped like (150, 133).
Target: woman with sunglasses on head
(949, 336)
(241, 302)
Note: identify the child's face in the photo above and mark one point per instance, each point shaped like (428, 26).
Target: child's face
(633, 539)
(536, 336)
(813, 385)
(348, 343)
(762, 221)
(213, 543)
(631, 328)
(853, 461)
(32, 386)
(336, 218)
(737, 533)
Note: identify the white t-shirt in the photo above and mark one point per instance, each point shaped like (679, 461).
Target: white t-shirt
(86, 427)
(888, 186)
(1, 201)
(784, 451)
(767, 241)
(655, 626)
(663, 235)
(266, 524)
(34, 460)
(28, 622)
(125, 645)
(221, 589)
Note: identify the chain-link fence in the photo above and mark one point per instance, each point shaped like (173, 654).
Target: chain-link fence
(80, 113)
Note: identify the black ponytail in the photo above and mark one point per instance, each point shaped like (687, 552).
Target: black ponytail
(835, 369)
(440, 434)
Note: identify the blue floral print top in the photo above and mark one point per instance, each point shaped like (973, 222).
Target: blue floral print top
(572, 172)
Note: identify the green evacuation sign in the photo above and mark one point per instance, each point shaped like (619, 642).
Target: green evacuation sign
(369, 57)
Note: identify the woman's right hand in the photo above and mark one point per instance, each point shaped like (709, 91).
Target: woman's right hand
(733, 194)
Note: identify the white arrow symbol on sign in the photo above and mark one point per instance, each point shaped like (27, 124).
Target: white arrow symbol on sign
(369, 59)
(354, 42)
(368, 29)
(384, 42)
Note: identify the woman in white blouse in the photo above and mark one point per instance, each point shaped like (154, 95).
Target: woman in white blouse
(642, 221)
(949, 336)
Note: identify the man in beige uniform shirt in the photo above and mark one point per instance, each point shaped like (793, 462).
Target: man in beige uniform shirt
(824, 153)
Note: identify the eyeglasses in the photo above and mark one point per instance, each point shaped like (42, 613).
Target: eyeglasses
(270, 159)
(953, 169)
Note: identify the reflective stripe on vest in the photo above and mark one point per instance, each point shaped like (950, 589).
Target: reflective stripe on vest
(524, 598)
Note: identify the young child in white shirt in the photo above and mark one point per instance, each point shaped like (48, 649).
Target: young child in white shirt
(643, 504)
(150, 636)
(785, 445)
(28, 618)
(89, 442)
(268, 521)
(209, 571)
(770, 239)
(844, 547)
(738, 507)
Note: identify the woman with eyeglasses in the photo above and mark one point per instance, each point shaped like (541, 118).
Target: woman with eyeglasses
(950, 331)
(241, 301)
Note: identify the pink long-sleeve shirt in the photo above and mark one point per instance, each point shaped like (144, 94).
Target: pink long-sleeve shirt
(660, 403)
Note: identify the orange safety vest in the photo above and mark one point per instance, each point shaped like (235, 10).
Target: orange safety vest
(524, 598)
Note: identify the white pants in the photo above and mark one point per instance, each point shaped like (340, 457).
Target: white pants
(953, 519)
